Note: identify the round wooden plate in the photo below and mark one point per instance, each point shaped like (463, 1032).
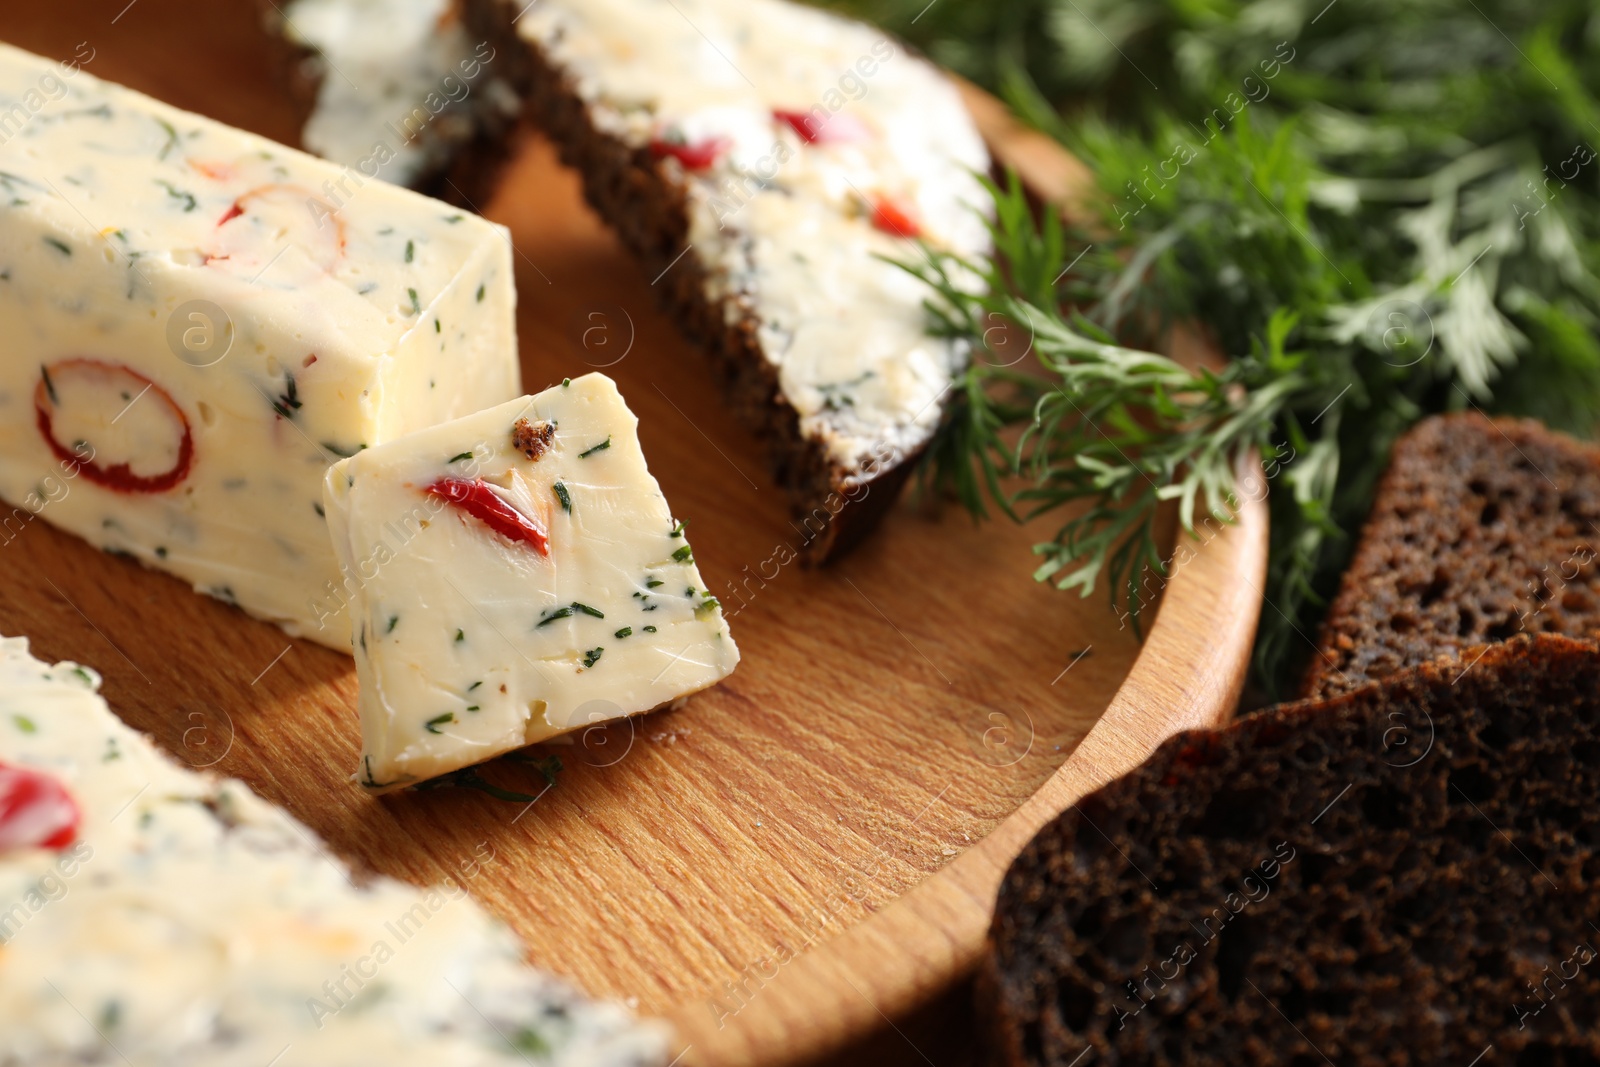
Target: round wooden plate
(794, 857)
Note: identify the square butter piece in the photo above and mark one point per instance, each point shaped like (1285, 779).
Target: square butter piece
(199, 322)
(514, 575)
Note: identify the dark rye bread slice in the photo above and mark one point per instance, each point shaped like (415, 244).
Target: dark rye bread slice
(1481, 528)
(465, 172)
(1409, 873)
(634, 193)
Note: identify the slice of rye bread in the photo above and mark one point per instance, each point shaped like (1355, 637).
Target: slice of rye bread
(1409, 873)
(645, 199)
(1481, 528)
(464, 165)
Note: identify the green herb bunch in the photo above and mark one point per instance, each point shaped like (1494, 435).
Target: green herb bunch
(1378, 210)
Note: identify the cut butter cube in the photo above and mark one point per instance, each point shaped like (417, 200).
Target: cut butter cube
(199, 322)
(515, 575)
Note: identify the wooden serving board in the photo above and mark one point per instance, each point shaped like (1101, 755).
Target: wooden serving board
(794, 857)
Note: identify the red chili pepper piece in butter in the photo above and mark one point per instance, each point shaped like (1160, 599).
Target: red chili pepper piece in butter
(475, 497)
(36, 811)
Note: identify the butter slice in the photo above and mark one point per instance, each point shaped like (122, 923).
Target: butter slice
(469, 642)
(192, 924)
(207, 321)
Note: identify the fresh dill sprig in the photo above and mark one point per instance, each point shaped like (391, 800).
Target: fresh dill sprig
(1379, 209)
(548, 768)
(1114, 430)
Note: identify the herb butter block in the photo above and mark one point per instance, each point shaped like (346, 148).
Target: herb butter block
(179, 920)
(514, 575)
(199, 322)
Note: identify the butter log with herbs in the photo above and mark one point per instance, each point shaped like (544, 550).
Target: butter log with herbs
(239, 316)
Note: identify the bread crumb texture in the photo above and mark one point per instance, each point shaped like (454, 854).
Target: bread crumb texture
(1409, 873)
(1481, 529)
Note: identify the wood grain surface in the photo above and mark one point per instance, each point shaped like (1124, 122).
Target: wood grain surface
(794, 856)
